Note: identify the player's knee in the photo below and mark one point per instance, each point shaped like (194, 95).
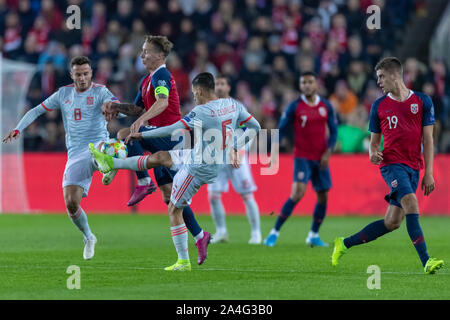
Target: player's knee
(392, 224)
(71, 204)
(322, 197)
(214, 197)
(297, 195)
(163, 158)
(410, 204)
(123, 133)
(247, 196)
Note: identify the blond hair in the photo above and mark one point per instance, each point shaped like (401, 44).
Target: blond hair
(161, 42)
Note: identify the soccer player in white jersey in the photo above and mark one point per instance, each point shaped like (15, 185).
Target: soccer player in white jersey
(215, 120)
(80, 105)
(242, 181)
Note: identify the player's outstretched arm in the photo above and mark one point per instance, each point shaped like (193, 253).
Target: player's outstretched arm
(111, 108)
(428, 155)
(28, 118)
(155, 133)
(375, 155)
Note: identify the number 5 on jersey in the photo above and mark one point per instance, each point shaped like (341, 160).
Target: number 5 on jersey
(77, 114)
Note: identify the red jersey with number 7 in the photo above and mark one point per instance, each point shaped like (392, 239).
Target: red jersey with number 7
(401, 124)
(311, 124)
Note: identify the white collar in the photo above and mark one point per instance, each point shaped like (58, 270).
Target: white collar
(410, 94)
(316, 100)
(161, 66)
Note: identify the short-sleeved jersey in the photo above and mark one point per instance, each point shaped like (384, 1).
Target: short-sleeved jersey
(160, 81)
(223, 115)
(401, 124)
(311, 126)
(82, 115)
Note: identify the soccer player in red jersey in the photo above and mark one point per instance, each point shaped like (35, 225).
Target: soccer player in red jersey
(405, 118)
(310, 116)
(156, 105)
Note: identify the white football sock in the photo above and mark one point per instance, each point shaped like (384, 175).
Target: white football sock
(199, 236)
(312, 234)
(144, 181)
(79, 218)
(252, 211)
(137, 163)
(180, 240)
(218, 212)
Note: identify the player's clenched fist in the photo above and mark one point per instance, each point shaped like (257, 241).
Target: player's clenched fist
(11, 136)
(376, 157)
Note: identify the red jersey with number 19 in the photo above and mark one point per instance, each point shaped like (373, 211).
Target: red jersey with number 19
(401, 124)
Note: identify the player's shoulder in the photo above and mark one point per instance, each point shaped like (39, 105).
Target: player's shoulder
(422, 96)
(326, 102)
(163, 73)
(377, 102)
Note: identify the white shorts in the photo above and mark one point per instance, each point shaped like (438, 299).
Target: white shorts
(79, 171)
(185, 185)
(241, 179)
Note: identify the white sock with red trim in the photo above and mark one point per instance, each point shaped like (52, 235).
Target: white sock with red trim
(137, 163)
(79, 218)
(180, 240)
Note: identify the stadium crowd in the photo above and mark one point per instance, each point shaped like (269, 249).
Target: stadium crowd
(261, 45)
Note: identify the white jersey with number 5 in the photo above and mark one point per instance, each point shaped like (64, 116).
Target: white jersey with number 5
(82, 116)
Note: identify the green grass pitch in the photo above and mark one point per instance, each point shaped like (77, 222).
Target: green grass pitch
(132, 251)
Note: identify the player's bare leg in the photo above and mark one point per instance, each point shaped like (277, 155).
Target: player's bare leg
(411, 207)
(313, 238)
(72, 199)
(145, 185)
(180, 239)
(297, 192)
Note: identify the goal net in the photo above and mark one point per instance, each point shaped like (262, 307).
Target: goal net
(14, 81)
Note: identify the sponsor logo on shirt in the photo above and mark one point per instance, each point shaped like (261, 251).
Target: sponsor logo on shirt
(90, 101)
(414, 108)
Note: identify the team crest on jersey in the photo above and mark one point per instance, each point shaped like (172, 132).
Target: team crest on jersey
(322, 111)
(394, 183)
(90, 101)
(191, 114)
(414, 108)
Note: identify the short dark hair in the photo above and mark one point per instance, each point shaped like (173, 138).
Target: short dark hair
(204, 80)
(222, 76)
(308, 73)
(390, 64)
(161, 42)
(79, 61)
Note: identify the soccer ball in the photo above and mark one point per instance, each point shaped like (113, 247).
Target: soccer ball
(115, 148)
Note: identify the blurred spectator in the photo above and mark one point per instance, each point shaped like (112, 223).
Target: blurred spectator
(51, 14)
(413, 74)
(124, 14)
(12, 40)
(184, 44)
(181, 77)
(355, 16)
(327, 9)
(429, 89)
(26, 15)
(343, 100)
(357, 77)
(98, 19)
(353, 134)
